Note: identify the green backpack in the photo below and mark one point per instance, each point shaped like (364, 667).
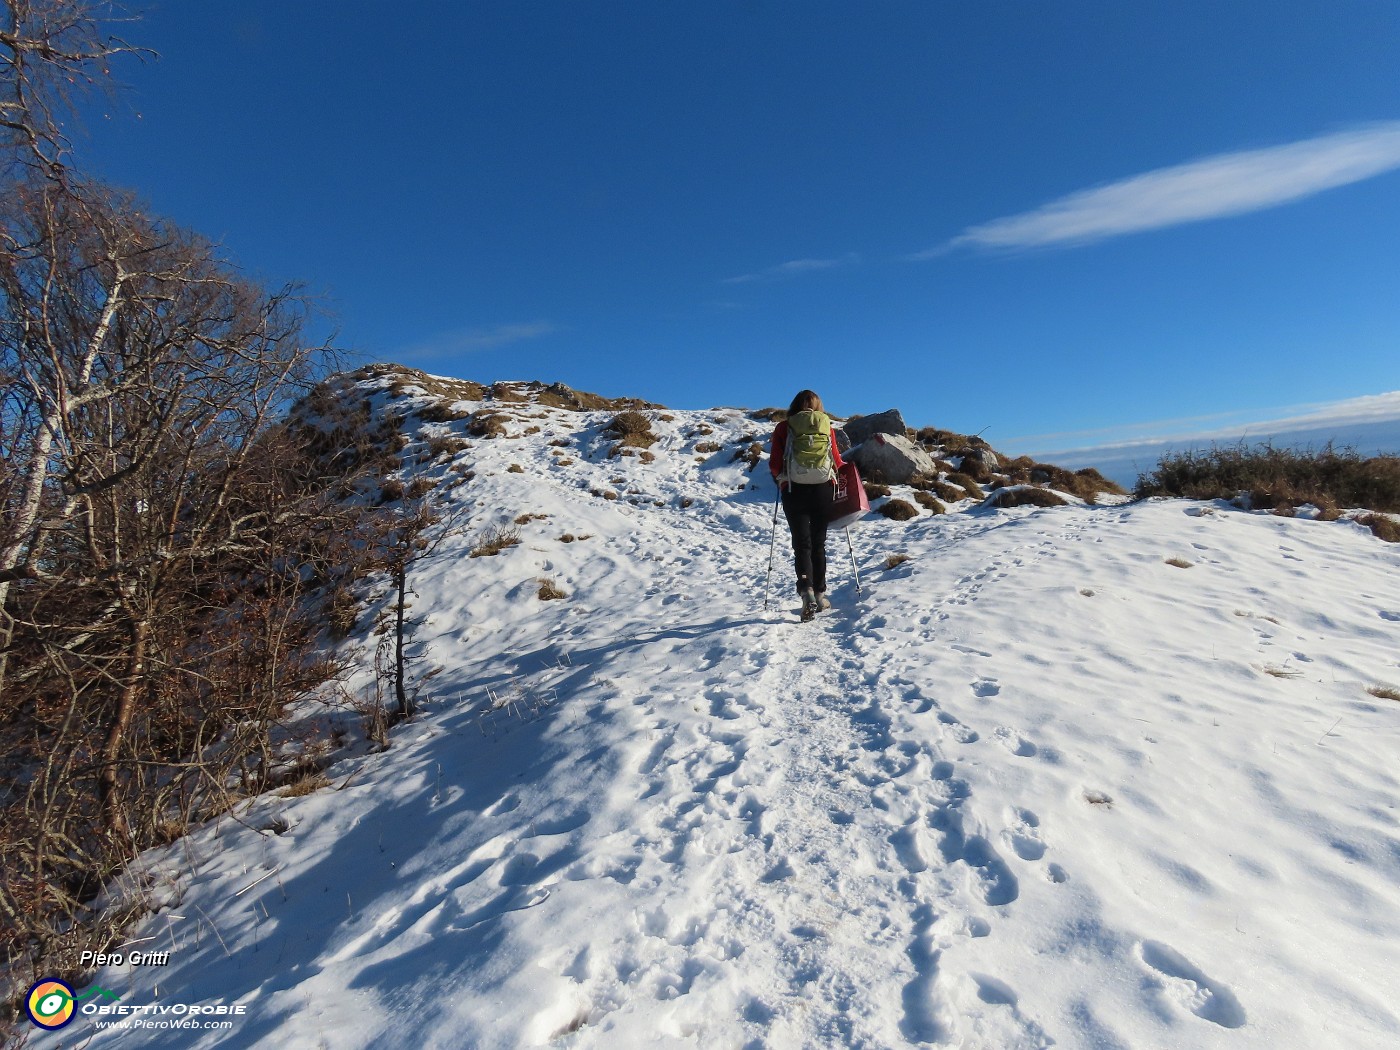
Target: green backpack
(808, 460)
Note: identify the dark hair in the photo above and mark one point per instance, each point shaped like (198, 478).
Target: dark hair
(804, 401)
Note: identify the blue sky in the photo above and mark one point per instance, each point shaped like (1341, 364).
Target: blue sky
(1027, 219)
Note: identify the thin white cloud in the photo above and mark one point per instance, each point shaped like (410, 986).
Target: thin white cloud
(471, 340)
(1216, 187)
(1223, 426)
(1369, 424)
(795, 268)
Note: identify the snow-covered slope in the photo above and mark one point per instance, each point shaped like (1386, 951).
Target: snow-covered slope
(1032, 786)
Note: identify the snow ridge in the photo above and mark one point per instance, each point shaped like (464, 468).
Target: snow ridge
(1032, 786)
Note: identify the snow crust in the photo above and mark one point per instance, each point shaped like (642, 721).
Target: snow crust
(1032, 786)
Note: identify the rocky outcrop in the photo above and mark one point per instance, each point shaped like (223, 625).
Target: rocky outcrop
(979, 461)
(862, 428)
(891, 459)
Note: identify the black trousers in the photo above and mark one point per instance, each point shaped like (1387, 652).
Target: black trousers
(806, 508)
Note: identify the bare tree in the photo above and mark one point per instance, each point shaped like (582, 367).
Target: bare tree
(164, 539)
(50, 49)
(171, 539)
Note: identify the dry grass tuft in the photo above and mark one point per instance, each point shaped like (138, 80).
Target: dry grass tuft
(494, 540)
(967, 484)
(550, 590)
(895, 560)
(485, 424)
(1384, 692)
(751, 454)
(629, 423)
(312, 781)
(929, 503)
(446, 446)
(632, 430)
(1180, 563)
(1026, 496)
(899, 510)
(948, 493)
(1381, 526)
(1272, 477)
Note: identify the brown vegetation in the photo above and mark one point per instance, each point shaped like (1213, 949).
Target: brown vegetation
(1270, 477)
(1025, 496)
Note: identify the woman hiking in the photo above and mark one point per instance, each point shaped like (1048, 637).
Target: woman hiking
(803, 459)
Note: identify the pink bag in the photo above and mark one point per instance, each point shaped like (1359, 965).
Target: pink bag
(849, 503)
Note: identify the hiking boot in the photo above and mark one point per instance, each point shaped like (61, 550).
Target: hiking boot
(823, 602)
(809, 604)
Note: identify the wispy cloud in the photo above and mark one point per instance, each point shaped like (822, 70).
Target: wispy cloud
(1221, 426)
(1219, 186)
(795, 268)
(1370, 425)
(471, 340)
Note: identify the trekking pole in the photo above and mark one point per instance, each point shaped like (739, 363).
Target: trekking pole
(771, 544)
(853, 559)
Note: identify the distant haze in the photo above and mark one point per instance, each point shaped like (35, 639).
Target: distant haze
(1370, 425)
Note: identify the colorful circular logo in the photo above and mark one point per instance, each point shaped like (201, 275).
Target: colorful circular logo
(50, 1004)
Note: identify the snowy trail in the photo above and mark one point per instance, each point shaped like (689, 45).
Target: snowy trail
(1034, 786)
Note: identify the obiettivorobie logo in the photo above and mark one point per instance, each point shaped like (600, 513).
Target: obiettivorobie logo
(51, 1003)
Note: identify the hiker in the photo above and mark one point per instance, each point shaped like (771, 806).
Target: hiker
(803, 459)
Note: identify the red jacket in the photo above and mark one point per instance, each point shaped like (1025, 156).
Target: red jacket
(777, 451)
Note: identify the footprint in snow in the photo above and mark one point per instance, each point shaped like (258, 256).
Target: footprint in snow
(1015, 742)
(996, 882)
(1393, 617)
(958, 731)
(1022, 834)
(1175, 980)
(967, 650)
(504, 804)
